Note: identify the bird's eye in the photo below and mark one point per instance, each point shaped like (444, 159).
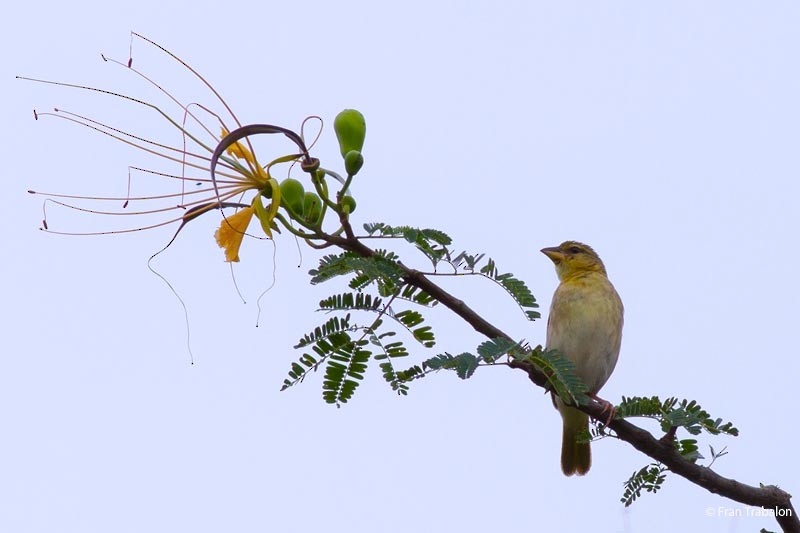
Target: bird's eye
(574, 250)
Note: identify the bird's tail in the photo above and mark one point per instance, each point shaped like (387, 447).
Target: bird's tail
(576, 457)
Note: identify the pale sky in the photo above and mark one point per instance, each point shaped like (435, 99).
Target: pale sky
(664, 135)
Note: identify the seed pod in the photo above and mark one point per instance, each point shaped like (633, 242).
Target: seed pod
(350, 128)
(292, 195)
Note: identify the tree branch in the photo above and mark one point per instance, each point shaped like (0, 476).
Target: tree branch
(769, 496)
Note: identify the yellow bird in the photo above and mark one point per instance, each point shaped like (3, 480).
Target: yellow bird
(585, 325)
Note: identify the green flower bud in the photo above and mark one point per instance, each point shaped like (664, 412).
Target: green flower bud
(353, 162)
(350, 128)
(312, 208)
(293, 195)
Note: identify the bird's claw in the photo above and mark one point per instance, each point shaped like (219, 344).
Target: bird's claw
(607, 406)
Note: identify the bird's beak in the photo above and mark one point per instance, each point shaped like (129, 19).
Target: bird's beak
(555, 254)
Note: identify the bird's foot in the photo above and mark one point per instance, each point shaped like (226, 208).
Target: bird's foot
(607, 406)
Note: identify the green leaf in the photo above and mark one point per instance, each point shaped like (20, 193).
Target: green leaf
(671, 413)
(327, 345)
(331, 266)
(686, 414)
(521, 293)
(694, 419)
(410, 320)
(418, 296)
(463, 364)
(465, 261)
(513, 286)
(490, 351)
(344, 372)
(650, 478)
(408, 233)
(688, 449)
(390, 351)
(466, 365)
(438, 362)
(431, 242)
(425, 336)
(382, 266)
(639, 407)
(349, 301)
(437, 236)
(334, 325)
(410, 374)
(360, 281)
(561, 376)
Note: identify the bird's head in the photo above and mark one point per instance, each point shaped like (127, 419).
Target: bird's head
(572, 258)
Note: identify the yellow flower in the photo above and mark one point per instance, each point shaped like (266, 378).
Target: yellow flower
(237, 171)
(585, 325)
(231, 232)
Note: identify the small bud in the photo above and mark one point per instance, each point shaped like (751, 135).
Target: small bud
(353, 161)
(348, 203)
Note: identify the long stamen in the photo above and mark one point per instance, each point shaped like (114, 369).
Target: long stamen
(129, 198)
(130, 99)
(184, 178)
(195, 73)
(192, 213)
(185, 108)
(86, 121)
(167, 93)
(183, 206)
(135, 145)
(199, 77)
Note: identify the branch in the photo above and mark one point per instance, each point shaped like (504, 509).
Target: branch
(768, 496)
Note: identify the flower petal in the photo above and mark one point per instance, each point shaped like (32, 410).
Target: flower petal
(231, 232)
(239, 150)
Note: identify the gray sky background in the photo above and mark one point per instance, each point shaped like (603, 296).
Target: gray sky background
(665, 135)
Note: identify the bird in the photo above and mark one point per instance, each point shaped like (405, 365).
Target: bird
(585, 326)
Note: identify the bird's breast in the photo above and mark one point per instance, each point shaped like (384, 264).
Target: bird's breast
(585, 325)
